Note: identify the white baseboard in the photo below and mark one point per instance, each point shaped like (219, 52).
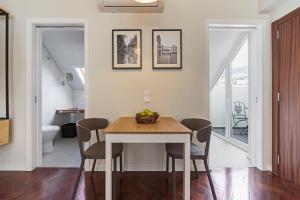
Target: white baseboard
(13, 167)
(158, 168)
(142, 168)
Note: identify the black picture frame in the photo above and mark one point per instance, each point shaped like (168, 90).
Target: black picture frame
(154, 63)
(118, 66)
(6, 15)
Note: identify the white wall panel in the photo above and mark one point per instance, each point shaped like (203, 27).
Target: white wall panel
(179, 93)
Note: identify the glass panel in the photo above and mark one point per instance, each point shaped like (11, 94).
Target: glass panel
(239, 80)
(2, 68)
(218, 105)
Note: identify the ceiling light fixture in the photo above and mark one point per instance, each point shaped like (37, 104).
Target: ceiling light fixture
(145, 1)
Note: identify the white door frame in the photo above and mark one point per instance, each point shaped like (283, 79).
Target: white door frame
(32, 91)
(258, 151)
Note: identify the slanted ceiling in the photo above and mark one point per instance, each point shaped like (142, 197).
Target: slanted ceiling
(129, 6)
(221, 45)
(66, 47)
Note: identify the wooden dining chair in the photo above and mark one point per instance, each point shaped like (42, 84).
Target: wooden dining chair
(97, 150)
(175, 151)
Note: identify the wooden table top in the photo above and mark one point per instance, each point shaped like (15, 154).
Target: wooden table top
(163, 125)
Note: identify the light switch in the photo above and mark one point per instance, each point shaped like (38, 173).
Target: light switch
(147, 96)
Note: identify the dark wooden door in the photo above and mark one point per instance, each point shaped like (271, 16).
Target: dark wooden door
(286, 97)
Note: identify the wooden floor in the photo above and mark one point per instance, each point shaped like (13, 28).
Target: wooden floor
(230, 184)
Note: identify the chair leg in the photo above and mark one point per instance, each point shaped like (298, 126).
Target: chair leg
(121, 169)
(195, 166)
(167, 163)
(77, 180)
(167, 168)
(93, 168)
(121, 163)
(173, 179)
(210, 180)
(115, 164)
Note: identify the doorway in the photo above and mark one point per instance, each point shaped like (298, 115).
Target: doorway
(229, 84)
(60, 60)
(58, 71)
(234, 82)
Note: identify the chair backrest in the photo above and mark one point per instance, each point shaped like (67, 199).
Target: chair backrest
(84, 128)
(94, 124)
(83, 135)
(203, 128)
(239, 109)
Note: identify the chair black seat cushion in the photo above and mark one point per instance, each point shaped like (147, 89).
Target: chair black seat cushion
(98, 150)
(175, 150)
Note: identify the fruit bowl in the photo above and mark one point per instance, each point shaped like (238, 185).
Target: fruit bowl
(146, 117)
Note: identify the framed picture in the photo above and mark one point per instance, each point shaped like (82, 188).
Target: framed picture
(167, 48)
(127, 49)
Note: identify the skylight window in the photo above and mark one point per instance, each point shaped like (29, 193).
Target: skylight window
(81, 73)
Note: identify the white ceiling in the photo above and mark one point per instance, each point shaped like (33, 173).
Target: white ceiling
(66, 46)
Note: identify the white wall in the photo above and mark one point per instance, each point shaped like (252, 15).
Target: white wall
(277, 8)
(66, 46)
(55, 95)
(180, 93)
(79, 99)
(283, 8)
(266, 5)
(218, 106)
(218, 100)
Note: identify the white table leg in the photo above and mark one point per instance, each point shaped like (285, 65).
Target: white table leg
(108, 168)
(187, 169)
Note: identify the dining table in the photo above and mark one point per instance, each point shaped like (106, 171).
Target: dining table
(165, 130)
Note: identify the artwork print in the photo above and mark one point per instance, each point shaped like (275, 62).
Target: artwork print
(167, 50)
(127, 52)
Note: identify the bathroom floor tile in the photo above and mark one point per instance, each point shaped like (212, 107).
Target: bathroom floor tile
(65, 154)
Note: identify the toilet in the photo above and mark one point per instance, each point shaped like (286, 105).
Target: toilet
(48, 134)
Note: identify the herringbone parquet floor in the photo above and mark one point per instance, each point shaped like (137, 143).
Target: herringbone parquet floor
(230, 184)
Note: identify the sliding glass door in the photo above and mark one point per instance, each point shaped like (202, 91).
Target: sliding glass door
(239, 94)
(229, 97)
